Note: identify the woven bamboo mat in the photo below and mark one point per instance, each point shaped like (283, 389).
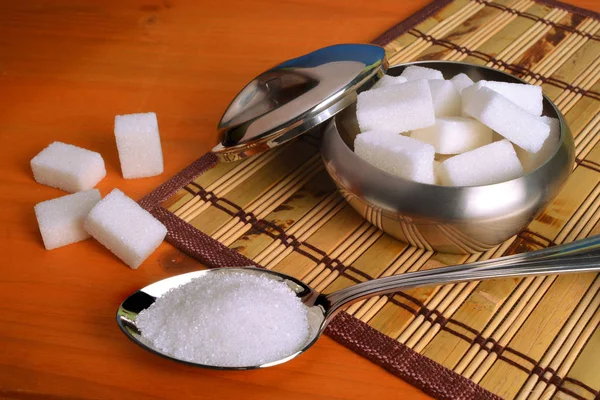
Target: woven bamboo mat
(514, 338)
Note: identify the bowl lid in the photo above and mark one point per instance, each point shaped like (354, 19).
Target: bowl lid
(295, 96)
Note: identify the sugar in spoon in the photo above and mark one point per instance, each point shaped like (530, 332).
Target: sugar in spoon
(576, 257)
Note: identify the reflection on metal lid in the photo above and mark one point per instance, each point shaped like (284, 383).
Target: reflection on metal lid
(295, 96)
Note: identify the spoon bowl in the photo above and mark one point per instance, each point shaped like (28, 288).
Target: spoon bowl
(145, 297)
(575, 257)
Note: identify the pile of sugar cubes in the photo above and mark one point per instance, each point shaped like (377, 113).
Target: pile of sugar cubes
(116, 221)
(453, 132)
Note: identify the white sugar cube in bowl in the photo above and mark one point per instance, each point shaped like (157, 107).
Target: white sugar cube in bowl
(499, 185)
(454, 135)
(461, 81)
(396, 108)
(388, 80)
(399, 155)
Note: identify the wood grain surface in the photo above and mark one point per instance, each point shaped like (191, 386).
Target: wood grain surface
(66, 68)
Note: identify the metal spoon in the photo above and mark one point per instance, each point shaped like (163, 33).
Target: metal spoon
(579, 256)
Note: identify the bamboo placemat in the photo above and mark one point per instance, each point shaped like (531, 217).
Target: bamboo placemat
(529, 338)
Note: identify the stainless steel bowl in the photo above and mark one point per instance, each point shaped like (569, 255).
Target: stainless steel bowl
(447, 219)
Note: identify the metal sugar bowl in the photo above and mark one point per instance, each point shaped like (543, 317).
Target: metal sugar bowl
(319, 91)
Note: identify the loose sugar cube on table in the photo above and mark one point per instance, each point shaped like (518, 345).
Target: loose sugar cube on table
(67, 167)
(531, 161)
(388, 80)
(493, 163)
(415, 72)
(528, 97)
(61, 220)
(138, 143)
(454, 135)
(509, 120)
(397, 108)
(461, 82)
(446, 99)
(125, 228)
(396, 154)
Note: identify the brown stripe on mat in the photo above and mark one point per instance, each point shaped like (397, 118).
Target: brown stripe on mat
(596, 393)
(414, 368)
(167, 189)
(196, 244)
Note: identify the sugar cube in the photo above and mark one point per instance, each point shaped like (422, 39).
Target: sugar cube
(397, 108)
(388, 80)
(67, 167)
(454, 135)
(528, 97)
(138, 144)
(125, 228)
(396, 154)
(493, 163)
(461, 82)
(446, 99)
(503, 116)
(415, 72)
(531, 161)
(61, 220)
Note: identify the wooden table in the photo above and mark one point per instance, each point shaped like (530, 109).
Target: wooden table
(66, 68)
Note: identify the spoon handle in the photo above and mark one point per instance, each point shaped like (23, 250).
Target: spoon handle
(580, 256)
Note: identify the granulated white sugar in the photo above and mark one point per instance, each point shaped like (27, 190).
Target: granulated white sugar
(397, 108)
(67, 167)
(125, 228)
(227, 319)
(138, 143)
(446, 99)
(454, 135)
(505, 117)
(528, 97)
(493, 163)
(461, 82)
(61, 220)
(531, 161)
(415, 72)
(396, 154)
(388, 80)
